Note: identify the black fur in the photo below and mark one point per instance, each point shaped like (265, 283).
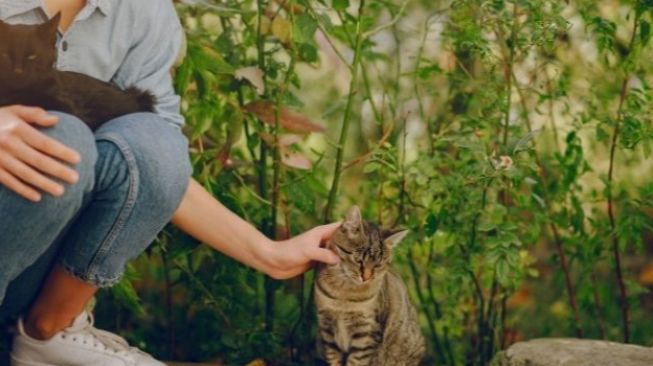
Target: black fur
(27, 76)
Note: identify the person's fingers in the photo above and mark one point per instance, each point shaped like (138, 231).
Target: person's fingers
(322, 255)
(30, 176)
(20, 188)
(48, 145)
(34, 115)
(43, 162)
(325, 232)
(297, 271)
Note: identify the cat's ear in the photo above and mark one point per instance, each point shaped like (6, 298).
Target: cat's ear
(52, 25)
(393, 239)
(353, 220)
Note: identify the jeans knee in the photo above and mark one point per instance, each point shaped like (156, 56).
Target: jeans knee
(163, 177)
(159, 153)
(75, 134)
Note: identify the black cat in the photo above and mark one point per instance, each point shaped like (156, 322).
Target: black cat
(27, 76)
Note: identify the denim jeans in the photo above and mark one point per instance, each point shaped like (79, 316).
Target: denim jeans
(133, 175)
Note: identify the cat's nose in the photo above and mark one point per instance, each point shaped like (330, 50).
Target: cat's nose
(367, 274)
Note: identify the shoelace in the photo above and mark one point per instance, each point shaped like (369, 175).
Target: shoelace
(109, 341)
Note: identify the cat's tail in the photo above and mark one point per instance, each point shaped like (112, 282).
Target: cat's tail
(145, 100)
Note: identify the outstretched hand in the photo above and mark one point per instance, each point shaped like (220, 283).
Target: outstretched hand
(292, 257)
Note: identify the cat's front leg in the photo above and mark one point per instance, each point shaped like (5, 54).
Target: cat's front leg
(332, 354)
(362, 356)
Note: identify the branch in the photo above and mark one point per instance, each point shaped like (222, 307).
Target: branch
(623, 295)
(328, 211)
(394, 21)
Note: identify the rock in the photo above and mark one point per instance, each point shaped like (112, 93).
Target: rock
(573, 352)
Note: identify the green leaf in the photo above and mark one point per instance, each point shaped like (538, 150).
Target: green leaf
(644, 32)
(503, 271)
(431, 225)
(340, 5)
(183, 77)
(371, 167)
(125, 294)
(308, 53)
(304, 29)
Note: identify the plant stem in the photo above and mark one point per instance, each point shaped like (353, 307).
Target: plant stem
(623, 295)
(557, 239)
(416, 88)
(597, 305)
(168, 295)
(431, 322)
(328, 211)
(267, 225)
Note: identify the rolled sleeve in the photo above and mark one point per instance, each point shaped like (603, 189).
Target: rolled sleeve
(156, 45)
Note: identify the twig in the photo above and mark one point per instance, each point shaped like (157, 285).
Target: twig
(390, 24)
(557, 239)
(328, 211)
(365, 156)
(326, 36)
(623, 295)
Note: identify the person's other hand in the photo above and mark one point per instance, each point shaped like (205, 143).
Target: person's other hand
(292, 257)
(30, 159)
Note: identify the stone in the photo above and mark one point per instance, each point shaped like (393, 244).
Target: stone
(573, 352)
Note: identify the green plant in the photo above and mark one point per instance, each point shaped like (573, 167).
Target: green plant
(512, 138)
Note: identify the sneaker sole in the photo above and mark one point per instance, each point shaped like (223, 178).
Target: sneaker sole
(15, 362)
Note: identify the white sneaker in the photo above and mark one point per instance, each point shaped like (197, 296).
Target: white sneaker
(79, 345)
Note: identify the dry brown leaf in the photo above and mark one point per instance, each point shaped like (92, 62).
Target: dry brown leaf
(281, 29)
(297, 161)
(289, 120)
(646, 275)
(287, 140)
(284, 140)
(266, 25)
(257, 362)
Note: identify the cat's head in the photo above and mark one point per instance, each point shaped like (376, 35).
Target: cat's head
(365, 250)
(26, 49)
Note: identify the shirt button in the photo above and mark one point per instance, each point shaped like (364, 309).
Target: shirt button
(64, 46)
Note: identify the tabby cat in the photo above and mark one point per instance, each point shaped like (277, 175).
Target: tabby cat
(27, 76)
(365, 316)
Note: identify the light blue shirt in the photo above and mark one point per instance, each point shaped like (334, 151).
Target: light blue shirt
(126, 42)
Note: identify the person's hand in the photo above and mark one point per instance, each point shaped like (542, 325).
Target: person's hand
(30, 159)
(295, 256)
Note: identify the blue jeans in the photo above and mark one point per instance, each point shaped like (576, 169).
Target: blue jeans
(133, 175)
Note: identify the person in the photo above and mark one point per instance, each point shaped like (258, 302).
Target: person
(76, 205)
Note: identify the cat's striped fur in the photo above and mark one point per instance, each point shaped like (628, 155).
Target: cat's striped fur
(364, 313)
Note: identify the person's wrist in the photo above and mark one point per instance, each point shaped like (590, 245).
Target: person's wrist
(268, 257)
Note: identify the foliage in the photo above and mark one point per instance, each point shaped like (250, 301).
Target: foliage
(512, 137)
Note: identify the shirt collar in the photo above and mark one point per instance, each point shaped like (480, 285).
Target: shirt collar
(11, 8)
(15, 7)
(105, 6)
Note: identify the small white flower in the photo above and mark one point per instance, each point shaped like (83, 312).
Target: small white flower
(505, 162)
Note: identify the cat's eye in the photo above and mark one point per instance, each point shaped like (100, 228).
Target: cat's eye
(343, 250)
(31, 57)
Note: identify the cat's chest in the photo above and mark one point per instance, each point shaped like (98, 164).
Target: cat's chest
(351, 329)
(335, 291)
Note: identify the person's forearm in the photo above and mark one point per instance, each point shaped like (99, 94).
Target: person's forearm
(206, 219)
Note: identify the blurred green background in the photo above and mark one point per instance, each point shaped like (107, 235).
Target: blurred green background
(513, 138)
